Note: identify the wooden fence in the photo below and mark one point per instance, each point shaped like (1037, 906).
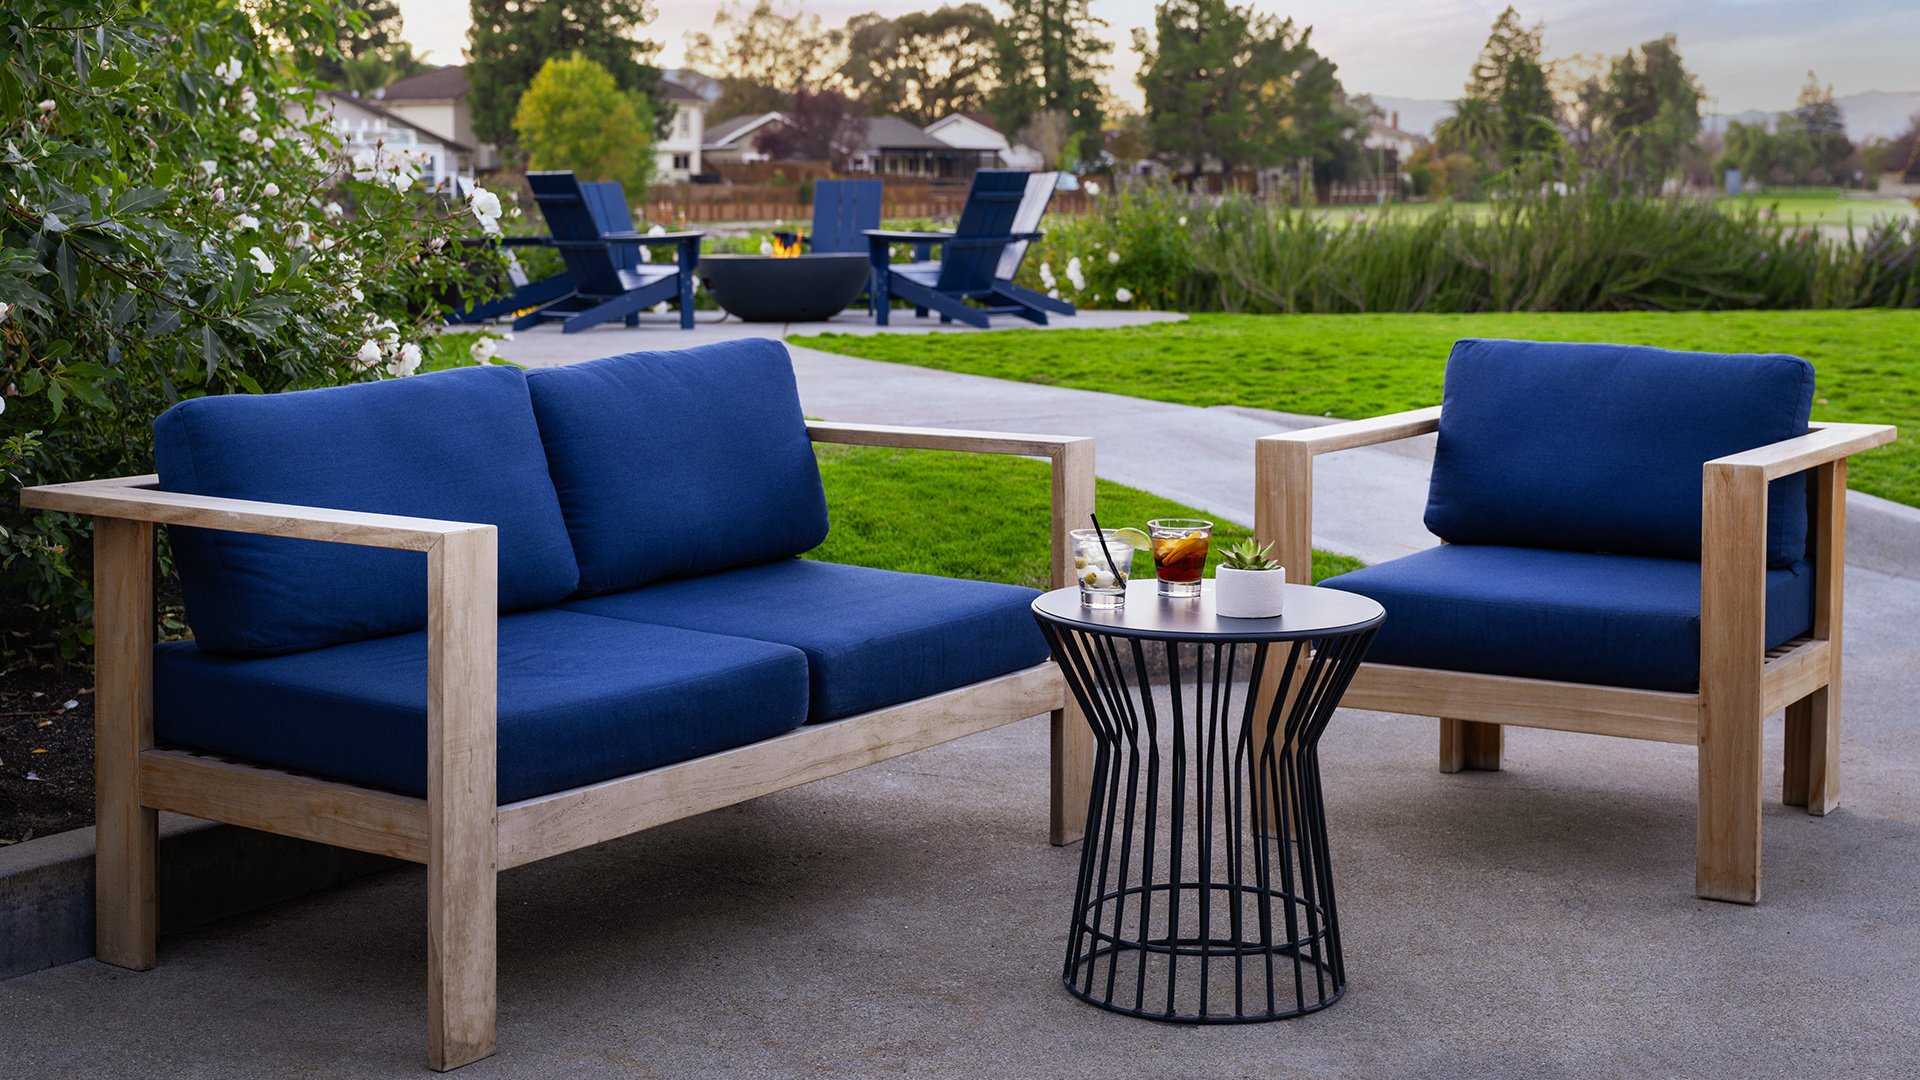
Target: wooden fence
(712, 204)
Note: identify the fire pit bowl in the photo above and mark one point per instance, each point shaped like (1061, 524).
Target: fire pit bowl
(803, 288)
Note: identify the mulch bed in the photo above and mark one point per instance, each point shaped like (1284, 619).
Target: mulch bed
(46, 751)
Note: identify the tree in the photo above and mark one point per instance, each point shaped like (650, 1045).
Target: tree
(178, 218)
(370, 51)
(923, 65)
(575, 117)
(511, 39)
(821, 125)
(1474, 129)
(1228, 85)
(1826, 130)
(1649, 110)
(764, 56)
(1050, 56)
(1510, 79)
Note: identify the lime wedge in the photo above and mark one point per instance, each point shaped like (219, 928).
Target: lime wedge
(1134, 538)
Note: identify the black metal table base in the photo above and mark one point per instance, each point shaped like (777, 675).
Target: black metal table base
(1206, 890)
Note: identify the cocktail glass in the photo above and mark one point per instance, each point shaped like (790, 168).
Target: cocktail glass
(1099, 586)
(1179, 554)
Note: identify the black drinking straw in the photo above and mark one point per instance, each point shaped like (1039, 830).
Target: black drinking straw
(1102, 534)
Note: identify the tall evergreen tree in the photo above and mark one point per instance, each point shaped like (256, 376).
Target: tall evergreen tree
(1826, 129)
(1511, 79)
(511, 39)
(1051, 57)
(922, 65)
(1228, 85)
(762, 56)
(1649, 107)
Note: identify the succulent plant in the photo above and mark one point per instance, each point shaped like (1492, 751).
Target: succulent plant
(1249, 555)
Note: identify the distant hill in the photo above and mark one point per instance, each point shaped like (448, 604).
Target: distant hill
(1876, 114)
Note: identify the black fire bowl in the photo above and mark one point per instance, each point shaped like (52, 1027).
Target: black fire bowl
(806, 288)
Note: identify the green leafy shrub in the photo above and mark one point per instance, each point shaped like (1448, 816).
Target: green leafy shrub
(1540, 249)
(180, 219)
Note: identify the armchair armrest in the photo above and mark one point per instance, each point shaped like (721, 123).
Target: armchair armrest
(1823, 444)
(1283, 476)
(1071, 458)
(681, 236)
(907, 236)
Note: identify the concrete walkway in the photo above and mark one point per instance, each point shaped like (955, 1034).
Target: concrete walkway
(908, 919)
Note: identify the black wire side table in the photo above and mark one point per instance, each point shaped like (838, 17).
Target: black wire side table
(1206, 891)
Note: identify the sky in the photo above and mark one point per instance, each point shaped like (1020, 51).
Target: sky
(1749, 54)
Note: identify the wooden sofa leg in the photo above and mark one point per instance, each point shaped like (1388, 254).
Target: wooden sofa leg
(1071, 775)
(460, 962)
(1470, 744)
(1812, 774)
(125, 833)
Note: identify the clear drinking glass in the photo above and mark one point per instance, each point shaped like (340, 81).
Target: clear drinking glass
(1099, 587)
(1179, 553)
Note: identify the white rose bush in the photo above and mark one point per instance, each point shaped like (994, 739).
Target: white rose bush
(178, 218)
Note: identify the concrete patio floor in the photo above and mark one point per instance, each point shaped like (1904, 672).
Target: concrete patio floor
(909, 918)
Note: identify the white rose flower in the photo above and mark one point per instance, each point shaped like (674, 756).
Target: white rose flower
(248, 135)
(484, 350)
(260, 260)
(1123, 294)
(248, 99)
(47, 105)
(299, 234)
(333, 210)
(1183, 219)
(657, 230)
(271, 190)
(369, 354)
(1092, 188)
(210, 167)
(484, 204)
(1046, 276)
(228, 72)
(1113, 256)
(1075, 275)
(268, 143)
(407, 362)
(401, 180)
(6, 309)
(245, 222)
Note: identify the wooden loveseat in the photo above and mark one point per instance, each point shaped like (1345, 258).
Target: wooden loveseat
(609, 628)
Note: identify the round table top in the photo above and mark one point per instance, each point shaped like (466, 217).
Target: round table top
(1310, 611)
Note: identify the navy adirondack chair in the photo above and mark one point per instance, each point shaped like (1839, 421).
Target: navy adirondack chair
(969, 259)
(606, 277)
(843, 210)
(1033, 207)
(606, 200)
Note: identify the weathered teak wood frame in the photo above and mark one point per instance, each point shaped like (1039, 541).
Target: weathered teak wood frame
(457, 831)
(1741, 683)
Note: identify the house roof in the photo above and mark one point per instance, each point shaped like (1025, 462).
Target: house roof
(893, 133)
(394, 118)
(449, 81)
(680, 94)
(729, 132)
(1388, 131)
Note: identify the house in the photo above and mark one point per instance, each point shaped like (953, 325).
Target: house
(973, 131)
(436, 101)
(893, 147)
(678, 152)
(364, 125)
(1390, 146)
(734, 141)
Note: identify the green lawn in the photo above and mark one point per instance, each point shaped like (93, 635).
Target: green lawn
(1791, 206)
(1363, 365)
(974, 516)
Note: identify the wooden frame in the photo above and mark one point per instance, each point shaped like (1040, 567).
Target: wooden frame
(1741, 682)
(457, 831)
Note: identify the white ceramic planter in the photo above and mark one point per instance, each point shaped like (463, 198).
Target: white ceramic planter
(1248, 594)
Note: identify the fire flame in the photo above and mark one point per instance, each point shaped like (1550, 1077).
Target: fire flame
(784, 250)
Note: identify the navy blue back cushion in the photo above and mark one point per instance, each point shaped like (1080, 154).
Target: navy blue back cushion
(457, 446)
(674, 464)
(1600, 447)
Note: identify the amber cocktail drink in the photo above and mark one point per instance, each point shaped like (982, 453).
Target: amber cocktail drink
(1179, 554)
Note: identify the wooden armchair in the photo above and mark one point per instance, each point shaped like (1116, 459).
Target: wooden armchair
(1740, 680)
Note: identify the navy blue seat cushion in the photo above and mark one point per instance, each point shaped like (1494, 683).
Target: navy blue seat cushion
(872, 637)
(673, 464)
(582, 699)
(1599, 447)
(459, 446)
(1610, 620)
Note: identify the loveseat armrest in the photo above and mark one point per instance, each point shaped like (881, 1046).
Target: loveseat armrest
(1822, 444)
(462, 657)
(1071, 458)
(1283, 476)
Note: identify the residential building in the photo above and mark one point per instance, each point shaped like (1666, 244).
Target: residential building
(974, 131)
(436, 101)
(893, 147)
(735, 141)
(364, 125)
(1390, 145)
(678, 152)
